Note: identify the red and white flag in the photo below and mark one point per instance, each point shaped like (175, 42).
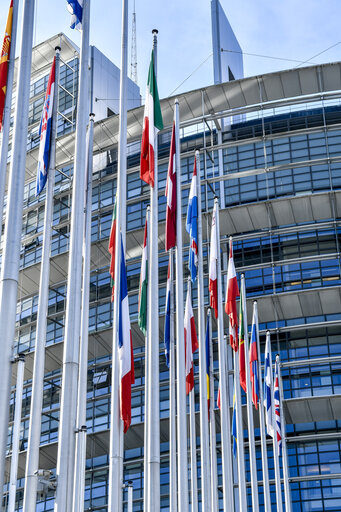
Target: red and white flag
(191, 341)
(212, 287)
(232, 292)
(171, 196)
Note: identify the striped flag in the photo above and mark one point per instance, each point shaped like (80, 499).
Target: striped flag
(242, 370)
(4, 58)
(191, 341)
(234, 423)
(232, 292)
(268, 386)
(168, 312)
(254, 362)
(171, 195)
(212, 287)
(192, 224)
(75, 7)
(207, 343)
(143, 289)
(45, 131)
(151, 125)
(111, 250)
(125, 348)
(277, 409)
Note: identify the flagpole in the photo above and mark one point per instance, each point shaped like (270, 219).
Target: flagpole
(172, 399)
(13, 226)
(116, 424)
(266, 485)
(6, 120)
(180, 352)
(251, 429)
(274, 441)
(80, 451)
(213, 447)
(240, 437)
(16, 433)
(228, 492)
(32, 458)
(287, 493)
(146, 390)
(204, 436)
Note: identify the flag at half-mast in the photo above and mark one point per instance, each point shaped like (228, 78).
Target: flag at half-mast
(268, 403)
(213, 282)
(167, 334)
(192, 223)
(75, 7)
(242, 369)
(232, 292)
(143, 289)
(171, 195)
(254, 361)
(4, 60)
(125, 348)
(191, 341)
(111, 249)
(152, 123)
(277, 406)
(45, 131)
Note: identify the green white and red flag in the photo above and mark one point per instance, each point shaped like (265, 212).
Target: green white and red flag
(143, 290)
(4, 60)
(111, 249)
(152, 123)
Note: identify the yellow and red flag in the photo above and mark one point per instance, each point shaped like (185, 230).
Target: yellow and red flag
(4, 58)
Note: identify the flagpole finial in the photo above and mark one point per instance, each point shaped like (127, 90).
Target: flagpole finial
(57, 49)
(255, 302)
(148, 208)
(155, 31)
(92, 116)
(176, 101)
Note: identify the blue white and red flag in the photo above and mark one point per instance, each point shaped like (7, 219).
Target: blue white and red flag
(125, 348)
(254, 361)
(192, 224)
(191, 341)
(75, 7)
(45, 130)
(277, 410)
(168, 313)
(268, 386)
(171, 196)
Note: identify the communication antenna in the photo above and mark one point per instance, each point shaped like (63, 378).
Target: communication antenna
(133, 64)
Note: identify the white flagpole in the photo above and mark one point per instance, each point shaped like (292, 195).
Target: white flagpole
(213, 447)
(204, 436)
(172, 400)
(275, 445)
(13, 226)
(266, 485)
(146, 388)
(16, 433)
(68, 404)
(32, 459)
(180, 343)
(80, 451)
(7, 107)
(287, 492)
(153, 340)
(225, 422)
(240, 437)
(251, 429)
(116, 424)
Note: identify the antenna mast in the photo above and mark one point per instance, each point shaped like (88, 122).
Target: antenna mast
(133, 64)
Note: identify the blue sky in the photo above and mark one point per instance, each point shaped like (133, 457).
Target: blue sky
(292, 29)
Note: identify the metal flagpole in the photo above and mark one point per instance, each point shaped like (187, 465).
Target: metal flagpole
(146, 392)
(287, 493)
(224, 392)
(32, 459)
(213, 448)
(251, 429)
(7, 107)
(180, 343)
(116, 424)
(266, 485)
(16, 433)
(13, 226)
(240, 437)
(130, 489)
(68, 404)
(80, 451)
(153, 340)
(204, 436)
(274, 439)
(172, 399)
